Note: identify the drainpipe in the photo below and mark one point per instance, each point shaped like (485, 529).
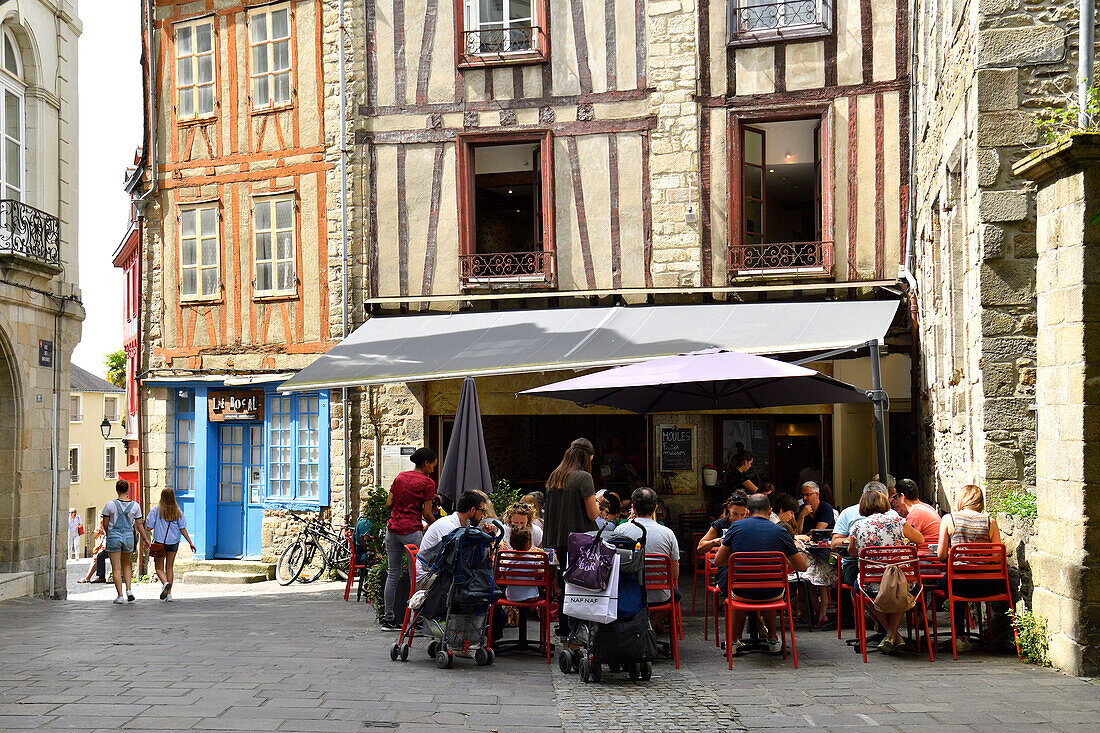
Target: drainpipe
(1085, 54)
(904, 271)
(344, 249)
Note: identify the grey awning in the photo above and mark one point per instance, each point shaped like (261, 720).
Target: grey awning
(446, 346)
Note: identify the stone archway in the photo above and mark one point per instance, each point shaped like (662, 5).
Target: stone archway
(9, 459)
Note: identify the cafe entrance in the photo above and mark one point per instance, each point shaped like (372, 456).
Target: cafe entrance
(240, 487)
(786, 449)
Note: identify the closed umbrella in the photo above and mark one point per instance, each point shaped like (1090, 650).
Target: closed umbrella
(466, 465)
(712, 379)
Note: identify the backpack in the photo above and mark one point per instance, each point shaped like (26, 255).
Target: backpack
(893, 592)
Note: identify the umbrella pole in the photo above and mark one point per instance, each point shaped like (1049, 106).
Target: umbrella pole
(878, 397)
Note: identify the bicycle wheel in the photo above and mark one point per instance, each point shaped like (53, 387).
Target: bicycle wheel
(340, 560)
(315, 562)
(290, 564)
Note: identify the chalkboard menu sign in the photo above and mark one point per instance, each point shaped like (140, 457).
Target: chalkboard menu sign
(677, 451)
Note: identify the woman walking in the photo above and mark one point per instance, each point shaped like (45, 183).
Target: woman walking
(571, 505)
(167, 525)
(120, 521)
(410, 505)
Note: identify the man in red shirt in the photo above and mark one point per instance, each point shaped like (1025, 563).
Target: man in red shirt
(920, 516)
(410, 504)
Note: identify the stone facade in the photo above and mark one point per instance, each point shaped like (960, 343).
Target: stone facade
(983, 69)
(39, 294)
(1065, 550)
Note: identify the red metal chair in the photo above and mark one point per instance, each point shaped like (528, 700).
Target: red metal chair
(932, 570)
(977, 561)
(412, 550)
(841, 587)
(658, 576)
(698, 567)
(759, 571)
(873, 562)
(713, 597)
(353, 570)
(528, 569)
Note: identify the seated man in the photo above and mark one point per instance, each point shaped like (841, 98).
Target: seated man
(920, 516)
(757, 533)
(470, 511)
(659, 539)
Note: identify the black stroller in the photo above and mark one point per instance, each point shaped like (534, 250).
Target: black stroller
(454, 599)
(627, 644)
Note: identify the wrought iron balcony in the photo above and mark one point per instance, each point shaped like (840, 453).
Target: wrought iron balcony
(502, 41)
(784, 258)
(29, 232)
(507, 268)
(747, 17)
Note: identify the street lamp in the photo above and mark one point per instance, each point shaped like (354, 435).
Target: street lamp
(105, 428)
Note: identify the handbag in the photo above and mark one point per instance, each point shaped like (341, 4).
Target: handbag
(79, 529)
(157, 549)
(590, 561)
(893, 592)
(601, 606)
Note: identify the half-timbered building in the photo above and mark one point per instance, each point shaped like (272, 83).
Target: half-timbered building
(233, 273)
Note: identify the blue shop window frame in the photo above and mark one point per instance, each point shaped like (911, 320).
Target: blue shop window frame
(323, 493)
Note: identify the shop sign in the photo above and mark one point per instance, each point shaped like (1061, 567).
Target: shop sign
(677, 449)
(236, 405)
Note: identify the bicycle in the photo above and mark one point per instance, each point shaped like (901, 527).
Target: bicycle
(318, 547)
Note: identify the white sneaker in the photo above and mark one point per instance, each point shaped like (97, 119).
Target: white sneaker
(168, 597)
(119, 601)
(130, 596)
(774, 646)
(164, 591)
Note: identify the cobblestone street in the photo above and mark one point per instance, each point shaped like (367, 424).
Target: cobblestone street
(300, 659)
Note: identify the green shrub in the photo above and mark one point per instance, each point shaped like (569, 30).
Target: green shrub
(376, 514)
(1031, 628)
(1011, 501)
(374, 589)
(1057, 122)
(503, 496)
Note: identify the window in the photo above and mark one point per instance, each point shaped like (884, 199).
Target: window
(273, 226)
(199, 252)
(506, 219)
(109, 468)
(294, 448)
(76, 404)
(185, 442)
(13, 148)
(195, 69)
(762, 21)
(781, 220)
(502, 31)
(269, 33)
(74, 464)
(110, 409)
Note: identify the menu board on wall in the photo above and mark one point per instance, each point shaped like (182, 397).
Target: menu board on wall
(677, 449)
(395, 459)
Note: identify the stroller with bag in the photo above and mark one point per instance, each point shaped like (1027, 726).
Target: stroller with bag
(627, 641)
(454, 599)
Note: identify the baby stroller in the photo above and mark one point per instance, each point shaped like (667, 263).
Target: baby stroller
(454, 599)
(626, 644)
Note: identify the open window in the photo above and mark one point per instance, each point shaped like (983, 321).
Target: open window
(506, 211)
(501, 32)
(752, 22)
(781, 210)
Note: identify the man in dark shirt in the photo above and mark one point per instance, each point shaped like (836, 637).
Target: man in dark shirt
(757, 533)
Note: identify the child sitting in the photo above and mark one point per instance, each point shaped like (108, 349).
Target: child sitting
(520, 541)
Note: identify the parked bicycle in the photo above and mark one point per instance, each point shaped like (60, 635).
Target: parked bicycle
(318, 548)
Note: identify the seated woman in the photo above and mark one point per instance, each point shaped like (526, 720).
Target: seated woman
(879, 529)
(99, 552)
(521, 516)
(734, 510)
(535, 499)
(968, 523)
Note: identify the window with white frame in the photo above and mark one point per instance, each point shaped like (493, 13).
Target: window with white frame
(195, 69)
(501, 26)
(273, 232)
(199, 252)
(185, 442)
(74, 464)
(110, 408)
(294, 448)
(76, 407)
(269, 45)
(12, 120)
(110, 469)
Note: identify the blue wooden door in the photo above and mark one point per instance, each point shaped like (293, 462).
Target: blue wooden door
(254, 483)
(232, 472)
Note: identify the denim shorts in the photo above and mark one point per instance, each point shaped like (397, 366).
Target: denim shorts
(174, 547)
(120, 544)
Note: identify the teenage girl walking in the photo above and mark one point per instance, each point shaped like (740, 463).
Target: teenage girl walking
(167, 525)
(120, 520)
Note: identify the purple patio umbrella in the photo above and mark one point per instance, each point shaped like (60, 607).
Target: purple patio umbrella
(702, 380)
(466, 465)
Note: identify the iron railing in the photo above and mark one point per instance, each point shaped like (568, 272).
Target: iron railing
(518, 267)
(781, 258)
(29, 232)
(776, 16)
(500, 41)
